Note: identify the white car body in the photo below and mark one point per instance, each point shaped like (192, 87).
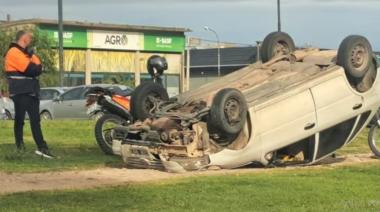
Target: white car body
(309, 103)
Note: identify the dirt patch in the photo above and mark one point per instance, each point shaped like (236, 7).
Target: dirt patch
(21, 182)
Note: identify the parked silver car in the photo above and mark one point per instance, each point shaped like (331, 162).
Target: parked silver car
(71, 104)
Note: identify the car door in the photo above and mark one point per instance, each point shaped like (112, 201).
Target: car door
(286, 121)
(337, 107)
(69, 103)
(79, 105)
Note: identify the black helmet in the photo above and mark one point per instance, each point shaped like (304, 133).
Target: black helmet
(158, 63)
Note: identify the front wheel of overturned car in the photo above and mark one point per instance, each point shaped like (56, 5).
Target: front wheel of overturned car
(145, 97)
(276, 44)
(227, 116)
(103, 130)
(374, 139)
(355, 56)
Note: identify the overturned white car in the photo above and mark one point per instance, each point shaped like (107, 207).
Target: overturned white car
(292, 105)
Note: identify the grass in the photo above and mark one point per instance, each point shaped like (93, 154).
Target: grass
(72, 141)
(341, 189)
(353, 188)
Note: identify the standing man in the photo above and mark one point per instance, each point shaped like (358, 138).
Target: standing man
(22, 68)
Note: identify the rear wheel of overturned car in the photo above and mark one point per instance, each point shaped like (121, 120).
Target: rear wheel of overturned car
(145, 97)
(355, 56)
(227, 116)
(103, 130)
(276, 44)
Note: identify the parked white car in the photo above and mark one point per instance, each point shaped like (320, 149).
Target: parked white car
(294, 106)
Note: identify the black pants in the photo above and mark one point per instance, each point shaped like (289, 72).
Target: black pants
(30, 104)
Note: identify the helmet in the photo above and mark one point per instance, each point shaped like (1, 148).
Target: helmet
(156, 65)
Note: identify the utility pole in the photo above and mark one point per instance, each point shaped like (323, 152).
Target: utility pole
(60, 42)
(279, 15)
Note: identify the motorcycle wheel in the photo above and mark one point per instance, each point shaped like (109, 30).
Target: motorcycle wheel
(103, 128)
(374, 139)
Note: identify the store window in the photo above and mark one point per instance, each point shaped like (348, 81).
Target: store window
(127, 79)
(74, 79)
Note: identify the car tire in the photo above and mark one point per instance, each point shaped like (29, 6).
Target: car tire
(369, 78)
(355, 56)
(45, 115)
(275, 44)
(103, 136)
(140, 101)
(8, 115)
(228, 114)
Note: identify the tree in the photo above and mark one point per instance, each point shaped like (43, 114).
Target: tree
(42, 44)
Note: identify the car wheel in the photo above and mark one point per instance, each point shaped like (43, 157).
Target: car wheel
(46, 116)
(8, 115)
(276, 44)
(143, 99)
(369, 78)
(355, 56)
(227, 116)
(103, 128)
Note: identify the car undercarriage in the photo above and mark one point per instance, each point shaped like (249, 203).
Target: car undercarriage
(220, 118)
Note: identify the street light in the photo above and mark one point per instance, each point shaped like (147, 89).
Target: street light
(217, 38)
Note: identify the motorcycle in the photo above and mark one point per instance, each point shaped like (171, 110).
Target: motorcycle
(116, 109)
(374, 136)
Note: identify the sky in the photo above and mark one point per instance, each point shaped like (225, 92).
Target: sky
(320, 23)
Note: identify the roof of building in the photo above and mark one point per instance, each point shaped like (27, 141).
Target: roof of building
(91, 25)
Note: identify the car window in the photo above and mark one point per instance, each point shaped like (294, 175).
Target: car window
(334, 137)
(73, 94)
(48, 94)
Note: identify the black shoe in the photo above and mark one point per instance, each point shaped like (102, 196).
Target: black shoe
(44, 153)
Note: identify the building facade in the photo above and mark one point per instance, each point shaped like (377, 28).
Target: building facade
(108, 53)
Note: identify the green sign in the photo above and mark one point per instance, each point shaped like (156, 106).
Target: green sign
(72, 37)
(164, 43)
(378, 58)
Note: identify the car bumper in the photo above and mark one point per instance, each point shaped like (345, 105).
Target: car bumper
(151, 155)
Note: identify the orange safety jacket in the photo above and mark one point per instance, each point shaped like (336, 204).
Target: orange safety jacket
(21, 69)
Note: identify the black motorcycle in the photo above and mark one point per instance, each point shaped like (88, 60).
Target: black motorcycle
(117, 109)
